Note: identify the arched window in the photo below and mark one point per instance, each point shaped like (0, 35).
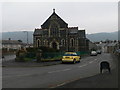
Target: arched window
(45, 43)
(72, 42)
(63, 42)
(38, 43)
(76, 42)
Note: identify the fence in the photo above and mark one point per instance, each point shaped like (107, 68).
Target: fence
(52, 54)
(82, 53)
(59, 54)
(30, 55)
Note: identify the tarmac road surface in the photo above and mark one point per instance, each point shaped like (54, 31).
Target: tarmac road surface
(53, 76)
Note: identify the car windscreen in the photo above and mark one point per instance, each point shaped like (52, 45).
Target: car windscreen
(70, 54)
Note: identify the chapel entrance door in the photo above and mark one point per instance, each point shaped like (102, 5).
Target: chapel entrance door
(54, 45)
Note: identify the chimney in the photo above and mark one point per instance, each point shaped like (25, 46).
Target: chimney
(54, 10)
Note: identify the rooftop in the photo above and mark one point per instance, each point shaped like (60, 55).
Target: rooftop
(10, 42)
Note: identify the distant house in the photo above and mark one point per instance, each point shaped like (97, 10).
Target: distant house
(102, 46)
(112, 47)
(92, 46)
(25, 45)
(11, 44)
(108, 47)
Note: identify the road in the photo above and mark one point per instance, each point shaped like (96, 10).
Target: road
(53, 76)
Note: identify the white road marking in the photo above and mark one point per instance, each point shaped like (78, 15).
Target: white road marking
(59, 71)
(61, 84)
(30, 74)
(95, 59)
(91, 61)
(82, 65)
(65, 82)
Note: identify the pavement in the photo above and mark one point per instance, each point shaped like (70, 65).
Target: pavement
(10, 57)
(105, 80)
(9, 61)
(29, 64)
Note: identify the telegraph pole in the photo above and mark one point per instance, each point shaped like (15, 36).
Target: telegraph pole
(27, 35)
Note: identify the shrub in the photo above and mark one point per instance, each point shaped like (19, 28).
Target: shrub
(47, 49)
(31, 49)
(20, 55)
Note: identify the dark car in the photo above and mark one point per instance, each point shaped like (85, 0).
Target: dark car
(99, 52)
(117, 52)
(104, 65)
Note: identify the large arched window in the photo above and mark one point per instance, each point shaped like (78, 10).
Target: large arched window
(71, 42)
(54, 29)
(38, 43)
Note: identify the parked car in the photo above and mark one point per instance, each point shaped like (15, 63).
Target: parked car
(99, 52)
(117, 52)
(93, 53)
(70, 57)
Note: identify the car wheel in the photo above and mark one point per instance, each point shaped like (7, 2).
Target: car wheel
(62, 62)
(74, 61)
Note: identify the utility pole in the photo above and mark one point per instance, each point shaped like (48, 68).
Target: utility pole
(27, 36)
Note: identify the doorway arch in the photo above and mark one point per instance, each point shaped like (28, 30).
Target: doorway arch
(54, 45)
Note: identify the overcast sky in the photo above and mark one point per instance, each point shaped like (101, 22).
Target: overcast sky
(93, 16)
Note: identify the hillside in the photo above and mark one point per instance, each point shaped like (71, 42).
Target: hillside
(18, 36)
(23, 36)
(103, 36)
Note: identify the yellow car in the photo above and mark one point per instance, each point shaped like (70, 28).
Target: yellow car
(71, 57)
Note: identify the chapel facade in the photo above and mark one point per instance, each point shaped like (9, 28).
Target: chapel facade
(55, 33)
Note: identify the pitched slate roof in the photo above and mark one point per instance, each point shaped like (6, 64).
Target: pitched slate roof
(81, 33)
(11, 42)
(73, 29)
(60, 21)
(112, 44)
(38, 32)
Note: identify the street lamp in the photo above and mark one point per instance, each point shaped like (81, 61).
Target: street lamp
(27, 35)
